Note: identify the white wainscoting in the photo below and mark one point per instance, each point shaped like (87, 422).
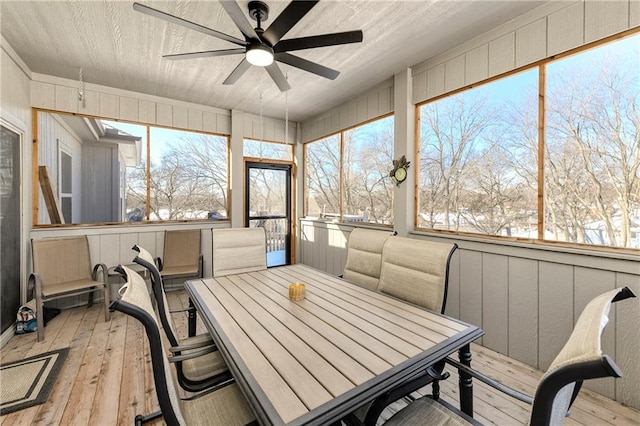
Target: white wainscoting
(525, 297)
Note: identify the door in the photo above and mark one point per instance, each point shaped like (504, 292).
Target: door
(268, 205)
(9, 226)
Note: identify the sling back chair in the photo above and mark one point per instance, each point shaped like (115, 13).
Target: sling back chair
(198, 362)
(364, 257)
(222, 405)
(416, 271)
(580, 359)
(62, 268)
(181, 256)
(238, 250)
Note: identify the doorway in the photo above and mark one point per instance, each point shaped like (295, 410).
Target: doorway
(268, 205)
(9, 226)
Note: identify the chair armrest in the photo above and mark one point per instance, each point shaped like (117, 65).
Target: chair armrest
(200, 266)
(191, 355)
(159, 263)
(191, 343)
(34, 285)
(209, 390)
(491, 382)
(99, 267)
(175, 311)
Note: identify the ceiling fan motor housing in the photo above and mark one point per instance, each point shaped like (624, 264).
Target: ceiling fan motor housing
(259, 11)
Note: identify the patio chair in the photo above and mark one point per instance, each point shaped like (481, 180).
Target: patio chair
(238, 250)
(181, 257)
(416, 271)
(364, 257)
(62, 268)
(195, 373)
(580, 359)
(221, 405)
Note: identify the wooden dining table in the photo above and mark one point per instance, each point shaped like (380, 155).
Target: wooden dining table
(315, 360)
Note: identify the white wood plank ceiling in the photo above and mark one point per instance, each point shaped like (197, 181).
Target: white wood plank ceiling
(121, 48)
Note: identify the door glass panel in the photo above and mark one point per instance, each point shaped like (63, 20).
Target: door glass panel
(9, 226)
(276, 232)
(267, 192)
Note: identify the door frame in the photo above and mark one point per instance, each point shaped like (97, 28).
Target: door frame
(290, 166)
(24, 235)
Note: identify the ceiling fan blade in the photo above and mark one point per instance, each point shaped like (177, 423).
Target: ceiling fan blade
(303, 64)
(175, 20)
(287, 19)
(238, 18)
(205, 54)
(278, 77)
(318, 41)
(242, 67)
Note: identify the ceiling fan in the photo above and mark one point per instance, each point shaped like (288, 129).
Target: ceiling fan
(262, 47)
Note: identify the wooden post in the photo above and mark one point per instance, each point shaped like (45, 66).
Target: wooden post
(53, 207)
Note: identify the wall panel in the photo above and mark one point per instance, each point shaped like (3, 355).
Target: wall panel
(495, 302)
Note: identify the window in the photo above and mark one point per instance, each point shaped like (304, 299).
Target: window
(267, 150)
(66, 187)
(367, 157)
(120, 176)
(478, 164)
(188, 175)
(347, 175)
(592, 152)
(478, 159)
(322, 177)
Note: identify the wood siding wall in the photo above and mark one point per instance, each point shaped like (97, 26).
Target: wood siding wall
(374, 103)
(548, 30)
(525, 299)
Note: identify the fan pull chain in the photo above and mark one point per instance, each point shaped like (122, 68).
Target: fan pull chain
(261, 123)
(286, 113)
(80, 86)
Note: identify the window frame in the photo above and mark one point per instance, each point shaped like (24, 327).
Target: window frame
(541, 66)
(340, 134)
(148, 126)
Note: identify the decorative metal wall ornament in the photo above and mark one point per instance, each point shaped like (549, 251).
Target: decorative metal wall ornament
(399, 171)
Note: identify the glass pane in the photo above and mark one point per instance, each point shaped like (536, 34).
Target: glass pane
(66, 207)
(9, 227)
(65, 173)
(322, 178)
(592, 167)
(478, 159)
(276, 231)
(267, 150)
(188, 175)
(367, 187)
(268, 192)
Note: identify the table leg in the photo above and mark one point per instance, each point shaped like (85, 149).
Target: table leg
(465, 382)
(191, 325)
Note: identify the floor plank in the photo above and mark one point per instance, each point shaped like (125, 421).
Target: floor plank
(107, 378)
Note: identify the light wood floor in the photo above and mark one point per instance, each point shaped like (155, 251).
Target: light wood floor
(107, 379)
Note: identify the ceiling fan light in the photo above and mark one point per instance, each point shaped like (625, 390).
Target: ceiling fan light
(260, 55)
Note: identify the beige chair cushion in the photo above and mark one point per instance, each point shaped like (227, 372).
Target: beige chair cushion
(61, 260)
(415, 271)
(224, 407)
(425, 411)
(181, 254)
(238, 250)
(364, 256)
(203, 367)
(70, 286)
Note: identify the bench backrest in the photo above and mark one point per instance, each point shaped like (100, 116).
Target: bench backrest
(61, 260)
